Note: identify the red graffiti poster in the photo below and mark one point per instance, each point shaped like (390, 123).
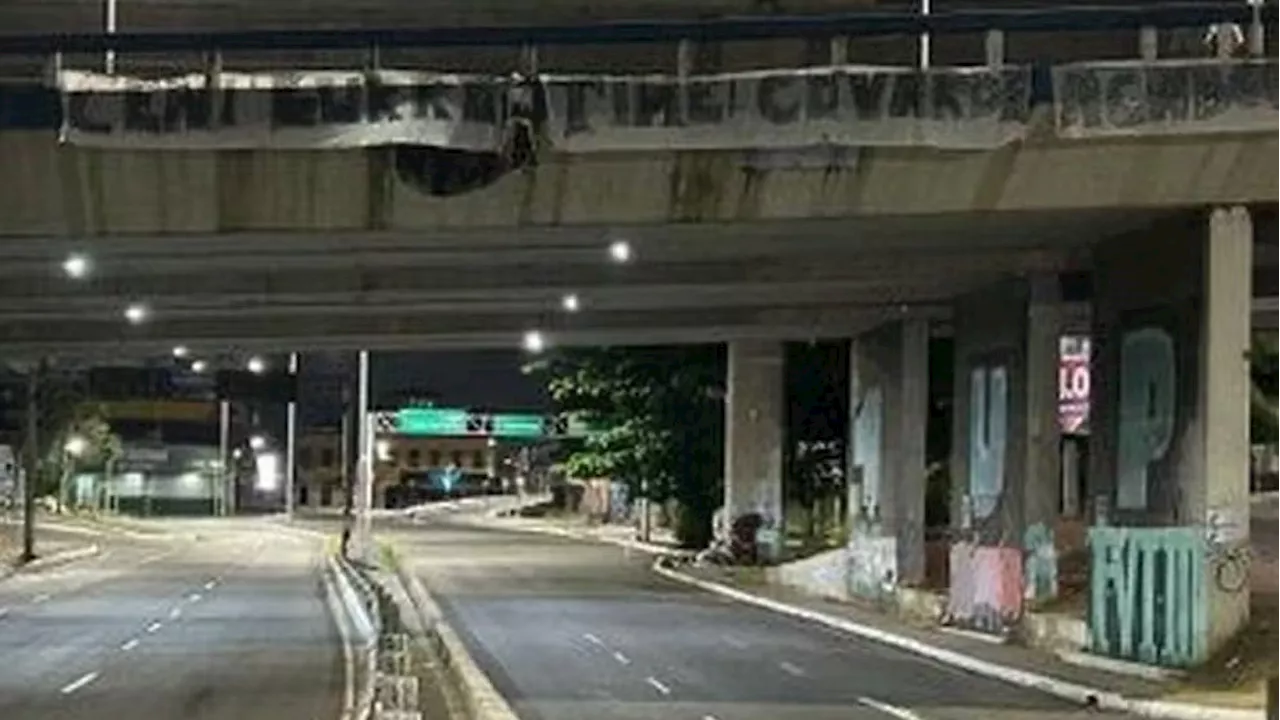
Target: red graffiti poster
(1073, 384)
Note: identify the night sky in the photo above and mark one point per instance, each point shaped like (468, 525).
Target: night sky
(478, 379)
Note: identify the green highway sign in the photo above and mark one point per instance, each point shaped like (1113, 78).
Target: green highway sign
(456, 422)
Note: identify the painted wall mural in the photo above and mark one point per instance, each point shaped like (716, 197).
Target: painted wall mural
(988, 431)
(873, 566)
(1148, 597)
(1148, 400)
(1040, 565)
(986, 587)
(868, 429)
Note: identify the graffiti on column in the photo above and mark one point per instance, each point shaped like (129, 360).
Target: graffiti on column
(867, 433)
(1147, 405)
(873, 566)
(986, 587)
(1040, 565)
(988, 425)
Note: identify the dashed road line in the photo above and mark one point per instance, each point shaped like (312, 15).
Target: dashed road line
(154, 626)
(593, 639)
(42, 597)
(656, 684)
(210, 585)
(129, 645)
(891, 710)
(78, 683)
(175, 613)
(791, 668)
(734, 642)
(194, 597)
(621, 658)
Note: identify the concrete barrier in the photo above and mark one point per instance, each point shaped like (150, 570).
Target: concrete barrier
(354, 609)
(472, 694)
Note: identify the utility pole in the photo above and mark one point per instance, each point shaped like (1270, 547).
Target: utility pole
(31, 455)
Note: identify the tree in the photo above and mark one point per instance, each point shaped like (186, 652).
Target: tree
(84, 441)
(659, 418)
(1264, 371)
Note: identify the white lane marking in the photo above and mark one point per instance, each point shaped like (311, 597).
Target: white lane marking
(175, 613)
(622, 658)
(656, 684)
(210, 585)
(154, 626)
(129, 645)
(41, 598)
(891, 710)
(710, 717)
(75, 685)
(194, 597)
(592, 639)
(734, 642)
(791, 668)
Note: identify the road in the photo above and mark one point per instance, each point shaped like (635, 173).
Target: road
(575, 631)
(230, 623)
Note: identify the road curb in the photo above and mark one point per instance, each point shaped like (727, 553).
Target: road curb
(1073, 692)
(649, 548)
(62, 557)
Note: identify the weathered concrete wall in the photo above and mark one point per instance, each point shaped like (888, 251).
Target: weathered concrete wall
(62, 190)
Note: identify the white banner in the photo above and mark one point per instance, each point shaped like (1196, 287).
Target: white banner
(776, 109)
(303, 110)
(842, 106)
(1165, 97)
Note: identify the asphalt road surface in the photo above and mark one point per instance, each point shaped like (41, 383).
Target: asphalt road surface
(575, 631)
(227, 624)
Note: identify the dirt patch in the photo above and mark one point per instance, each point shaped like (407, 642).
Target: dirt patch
(1237, 675)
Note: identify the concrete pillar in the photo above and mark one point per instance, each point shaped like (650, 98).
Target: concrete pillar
(1170, 456)
(889, 387)
(755, 409)
(1043, 479)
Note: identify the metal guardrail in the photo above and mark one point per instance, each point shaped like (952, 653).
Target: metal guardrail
(356, 591)
(1043, 19)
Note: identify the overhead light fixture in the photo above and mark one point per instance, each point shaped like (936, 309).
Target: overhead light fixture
(76, 266)
(181, 351)
(199, 366)
(570, 302)
(620, 251)
(256, 365)
(137, 313)
(76, 446)
(534, 342)
(257, 443)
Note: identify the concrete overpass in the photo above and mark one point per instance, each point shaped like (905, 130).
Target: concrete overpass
(259, 248)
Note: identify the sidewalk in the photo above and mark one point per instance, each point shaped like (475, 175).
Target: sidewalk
(662, 541)
(1011, 663)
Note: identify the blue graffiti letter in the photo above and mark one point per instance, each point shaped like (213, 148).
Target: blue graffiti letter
(1147, 399)
(988, 422)
(866, 450)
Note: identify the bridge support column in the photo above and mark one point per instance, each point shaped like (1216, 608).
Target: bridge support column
(889, 388)
(1005, 347)
(1171, 439)
(754, 430)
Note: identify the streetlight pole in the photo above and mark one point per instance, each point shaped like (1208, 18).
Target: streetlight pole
(291, 432)
(364, 439)
(224, 461)
(109, 60)
(31, 456)
(926, 6)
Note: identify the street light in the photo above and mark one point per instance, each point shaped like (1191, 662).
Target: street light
(76, 266)
(137, 313)
(257, 443)
(181, 351)
(199, 366)
(620, 251)
(257, 365)
(76, 446)
(570, 302)
(534, 342)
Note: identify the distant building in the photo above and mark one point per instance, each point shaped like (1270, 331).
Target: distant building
(408, 470)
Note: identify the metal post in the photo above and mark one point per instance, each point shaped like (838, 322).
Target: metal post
(109, 61)
(364, 469)
(1257, 34)
(291, 439)
(32, 470)
(224, 457)
(925, 47)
